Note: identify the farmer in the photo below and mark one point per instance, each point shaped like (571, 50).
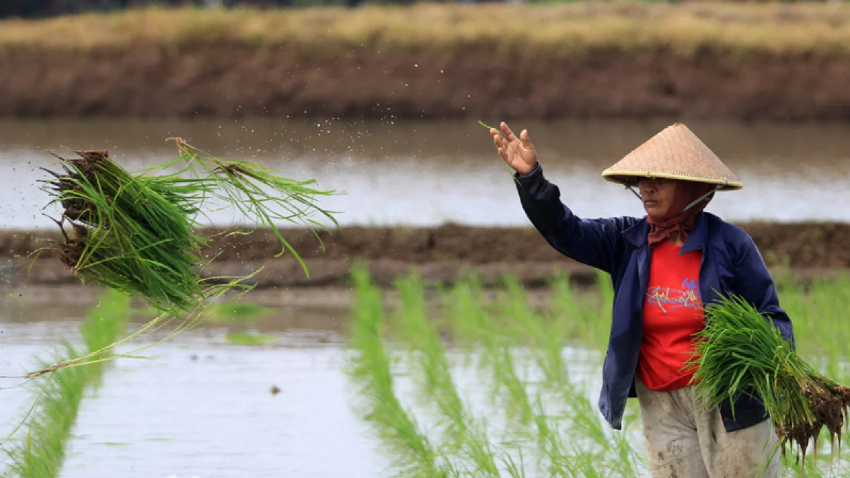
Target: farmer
(664, 268)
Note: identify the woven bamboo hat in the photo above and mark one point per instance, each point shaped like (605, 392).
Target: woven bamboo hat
(674, 153)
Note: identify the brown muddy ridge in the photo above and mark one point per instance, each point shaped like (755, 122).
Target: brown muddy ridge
(440, 254)
(472, 81)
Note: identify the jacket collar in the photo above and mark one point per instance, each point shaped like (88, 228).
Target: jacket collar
(637, 234)
(698, 238)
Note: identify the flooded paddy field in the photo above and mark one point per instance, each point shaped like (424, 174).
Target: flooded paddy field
(200, 405)
(373, 383)
(403, 379)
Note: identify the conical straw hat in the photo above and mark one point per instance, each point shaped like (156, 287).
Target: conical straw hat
(674, 153)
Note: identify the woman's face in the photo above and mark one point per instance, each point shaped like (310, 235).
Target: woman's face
(657, 196)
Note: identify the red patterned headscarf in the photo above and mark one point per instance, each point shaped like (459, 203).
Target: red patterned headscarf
(677, 219)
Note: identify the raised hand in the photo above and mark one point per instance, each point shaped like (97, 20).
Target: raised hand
(519, 153)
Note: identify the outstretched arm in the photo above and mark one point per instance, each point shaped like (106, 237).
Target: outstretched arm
(595, 242)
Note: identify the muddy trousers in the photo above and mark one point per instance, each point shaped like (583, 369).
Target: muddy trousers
(685, 441)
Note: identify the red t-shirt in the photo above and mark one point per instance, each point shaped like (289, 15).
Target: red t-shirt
(672, 313)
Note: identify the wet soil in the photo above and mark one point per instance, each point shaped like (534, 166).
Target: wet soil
(440, 254)
(470, 81)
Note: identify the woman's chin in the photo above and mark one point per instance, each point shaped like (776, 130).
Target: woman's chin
(654, 214)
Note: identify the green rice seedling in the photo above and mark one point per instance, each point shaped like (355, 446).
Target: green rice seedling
(815, 308)
(592, 444)
(528, 416)
(593, 449)
(371, 369)
(260, 193)
(585, 318)
(466, 435)
(474, 327)
(41, 452)
(236, 312)
(527, 411)
(250, 338)
(107, 322)
(741, 352)
(463, 311)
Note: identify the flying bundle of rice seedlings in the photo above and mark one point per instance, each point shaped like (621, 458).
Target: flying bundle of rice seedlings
(741, 352)
(135, 232)
(132, 233)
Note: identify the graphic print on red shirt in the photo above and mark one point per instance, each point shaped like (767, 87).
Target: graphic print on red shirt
(672, 313)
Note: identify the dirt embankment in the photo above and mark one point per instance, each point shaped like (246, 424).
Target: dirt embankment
(472, 82)
(575, 60)
(440, 254)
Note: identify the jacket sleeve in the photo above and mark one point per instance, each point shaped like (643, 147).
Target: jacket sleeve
(595, 242)
(755, 285)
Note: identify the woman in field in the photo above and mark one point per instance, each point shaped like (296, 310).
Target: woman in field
(665, 267)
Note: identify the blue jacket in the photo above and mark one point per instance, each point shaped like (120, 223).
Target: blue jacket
(731, 264)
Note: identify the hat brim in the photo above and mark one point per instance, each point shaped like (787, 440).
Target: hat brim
(631, 178)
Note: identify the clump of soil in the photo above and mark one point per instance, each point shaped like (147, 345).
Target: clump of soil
(830, 405)
(79, 212)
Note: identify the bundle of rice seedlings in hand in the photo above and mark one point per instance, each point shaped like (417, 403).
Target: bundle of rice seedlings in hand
(740, 352)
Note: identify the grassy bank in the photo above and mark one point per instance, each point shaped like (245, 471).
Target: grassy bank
(539, 30)
(540, 395)
(430, 61)
(40, 449)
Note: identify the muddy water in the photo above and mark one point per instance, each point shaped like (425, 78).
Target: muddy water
(426, 173)
(198, 406)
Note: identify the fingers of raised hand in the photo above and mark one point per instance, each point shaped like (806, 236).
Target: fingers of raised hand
(497, 138)
(508, 133)
(499, 141)
(526, 142)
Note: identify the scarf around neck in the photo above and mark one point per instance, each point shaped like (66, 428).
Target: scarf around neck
(677, 219)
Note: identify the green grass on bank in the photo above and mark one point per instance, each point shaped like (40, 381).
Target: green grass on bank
(562, 29)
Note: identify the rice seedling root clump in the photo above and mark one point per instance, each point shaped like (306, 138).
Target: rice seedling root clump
(130, 233)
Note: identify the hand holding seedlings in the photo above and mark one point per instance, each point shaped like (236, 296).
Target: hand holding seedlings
(518, 152)
(739, 352)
